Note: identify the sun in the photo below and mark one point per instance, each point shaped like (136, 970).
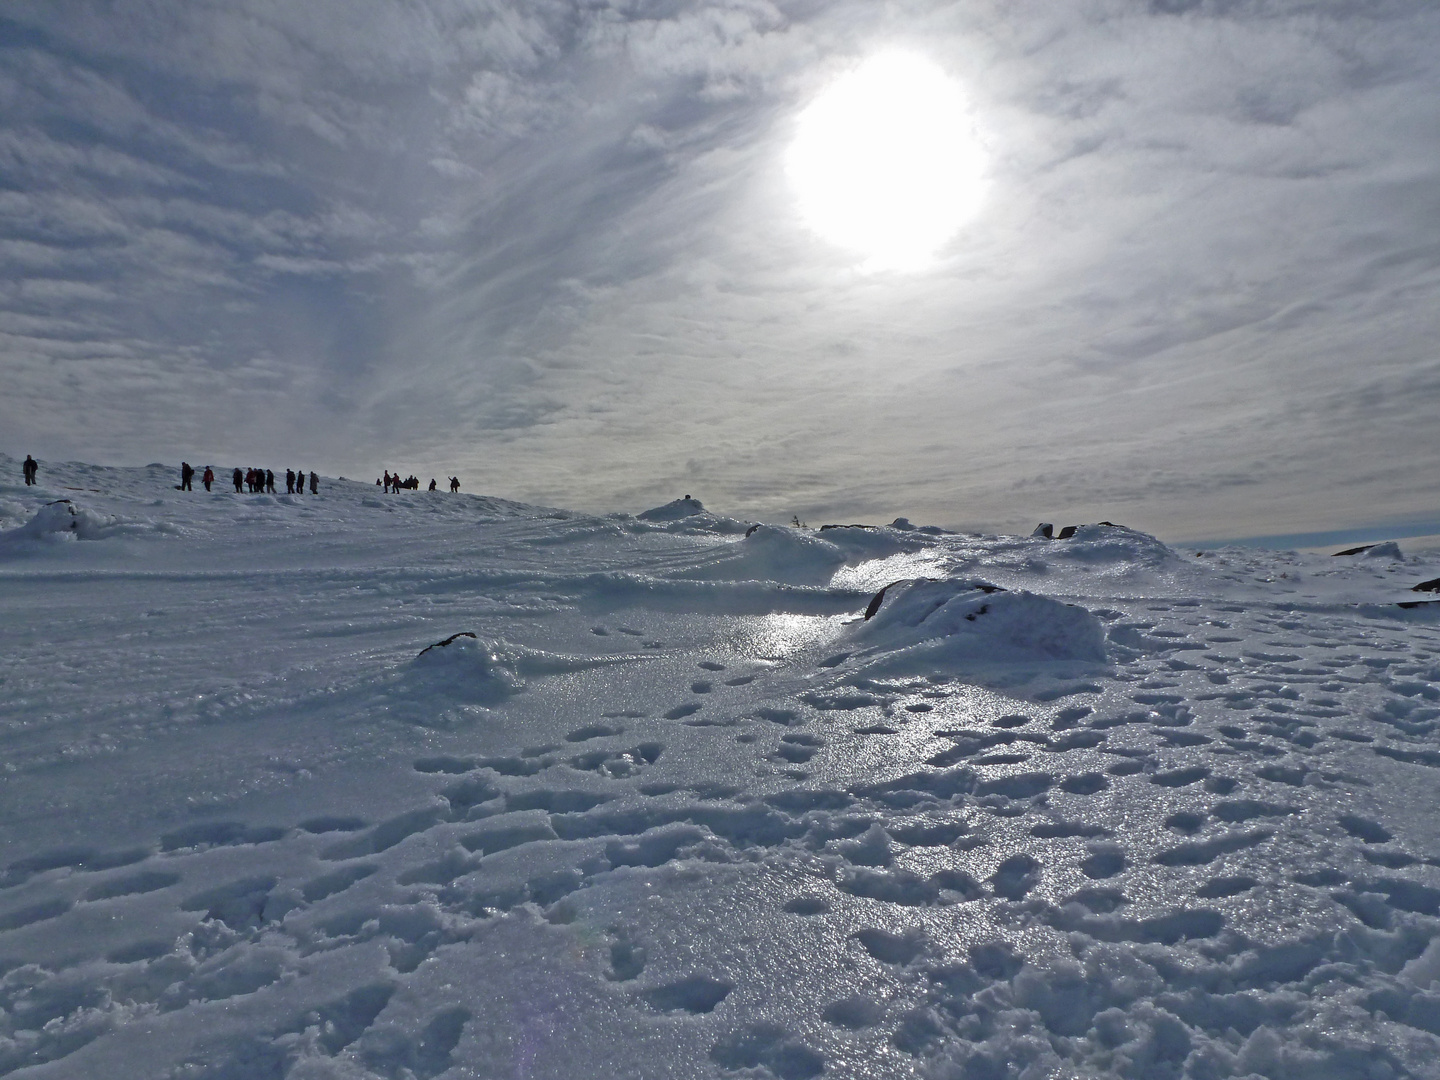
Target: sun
(886, 162)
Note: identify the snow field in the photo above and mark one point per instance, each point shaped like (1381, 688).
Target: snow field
(678, 809)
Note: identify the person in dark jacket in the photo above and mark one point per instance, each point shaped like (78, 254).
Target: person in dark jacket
(289, 481)
(187, 474)
(30, 468)
(270, 481)
(454, 483)
(239, 479)
(314, 484)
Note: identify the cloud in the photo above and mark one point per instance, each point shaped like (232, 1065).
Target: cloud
(550, 244)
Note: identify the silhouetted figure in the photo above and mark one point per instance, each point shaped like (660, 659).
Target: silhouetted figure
(299, 481)
(314, 484)
(454, 483)
(387, 481)
(289, 481)
(187, 473)
(239, 478)
(270, 481)
(208, 478)
(30, 468)
(432, 483)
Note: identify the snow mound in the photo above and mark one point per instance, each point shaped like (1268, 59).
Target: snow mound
(63, 519)
(923, 627)
(470, 668)
(1387, 550)
(486, 671)
(673, 511)
(773, 553)
(1113, 545)
(860, 543)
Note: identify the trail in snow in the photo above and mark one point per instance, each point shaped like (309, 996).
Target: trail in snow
(1080, 807)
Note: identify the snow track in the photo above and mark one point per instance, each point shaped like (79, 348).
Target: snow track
(1160, 816)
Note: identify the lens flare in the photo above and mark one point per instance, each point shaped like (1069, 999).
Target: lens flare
(886, 162)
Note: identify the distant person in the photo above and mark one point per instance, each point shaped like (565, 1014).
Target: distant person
(432, 483)
(314, 484)
(239, 478)
(299, 481)
(208, 478)
(289, 481)
(454, 483)
(270, 481)
(30, 468)
(387, 481)
(187, 473)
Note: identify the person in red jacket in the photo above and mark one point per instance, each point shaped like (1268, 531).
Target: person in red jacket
(209, 477)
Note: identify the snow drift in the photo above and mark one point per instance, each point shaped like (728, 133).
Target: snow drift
(924, 627)
(65, 520)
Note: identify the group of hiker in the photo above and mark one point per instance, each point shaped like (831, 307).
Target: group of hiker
(256, 481)
(262, 481)
(393, 484)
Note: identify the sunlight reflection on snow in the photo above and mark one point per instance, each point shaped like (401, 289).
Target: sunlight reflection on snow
(772, 637)
(876, 573)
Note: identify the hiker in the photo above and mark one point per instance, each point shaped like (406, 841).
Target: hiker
(239, 478)
(314, 484)
(289, 481)
(432, 483)
(208, 478)
(454, 483)
(31, 467)
(270, 481)
(187, 473)
(299, 481)
(387, 481)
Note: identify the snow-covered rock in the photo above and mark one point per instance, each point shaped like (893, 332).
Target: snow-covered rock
(673, 511)
(944, 628)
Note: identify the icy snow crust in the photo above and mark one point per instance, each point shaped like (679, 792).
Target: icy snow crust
(1091, 807)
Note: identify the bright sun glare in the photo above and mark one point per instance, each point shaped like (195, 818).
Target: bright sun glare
(886, 163)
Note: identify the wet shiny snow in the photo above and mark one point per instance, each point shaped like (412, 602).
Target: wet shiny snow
(1091, 807)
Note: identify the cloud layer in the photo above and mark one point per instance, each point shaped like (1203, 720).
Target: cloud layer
(550, 246)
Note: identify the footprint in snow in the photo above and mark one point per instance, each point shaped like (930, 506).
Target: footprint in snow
(593, 731)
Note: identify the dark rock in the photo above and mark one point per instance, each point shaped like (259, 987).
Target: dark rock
(447, 641)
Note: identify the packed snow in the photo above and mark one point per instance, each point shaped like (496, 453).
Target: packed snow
(431, 785)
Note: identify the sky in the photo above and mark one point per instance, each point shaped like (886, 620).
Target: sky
(552, 246)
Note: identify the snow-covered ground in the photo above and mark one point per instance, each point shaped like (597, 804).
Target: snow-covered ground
(678, 809)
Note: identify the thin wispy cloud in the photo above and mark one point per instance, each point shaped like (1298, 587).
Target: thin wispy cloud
(552, 246)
